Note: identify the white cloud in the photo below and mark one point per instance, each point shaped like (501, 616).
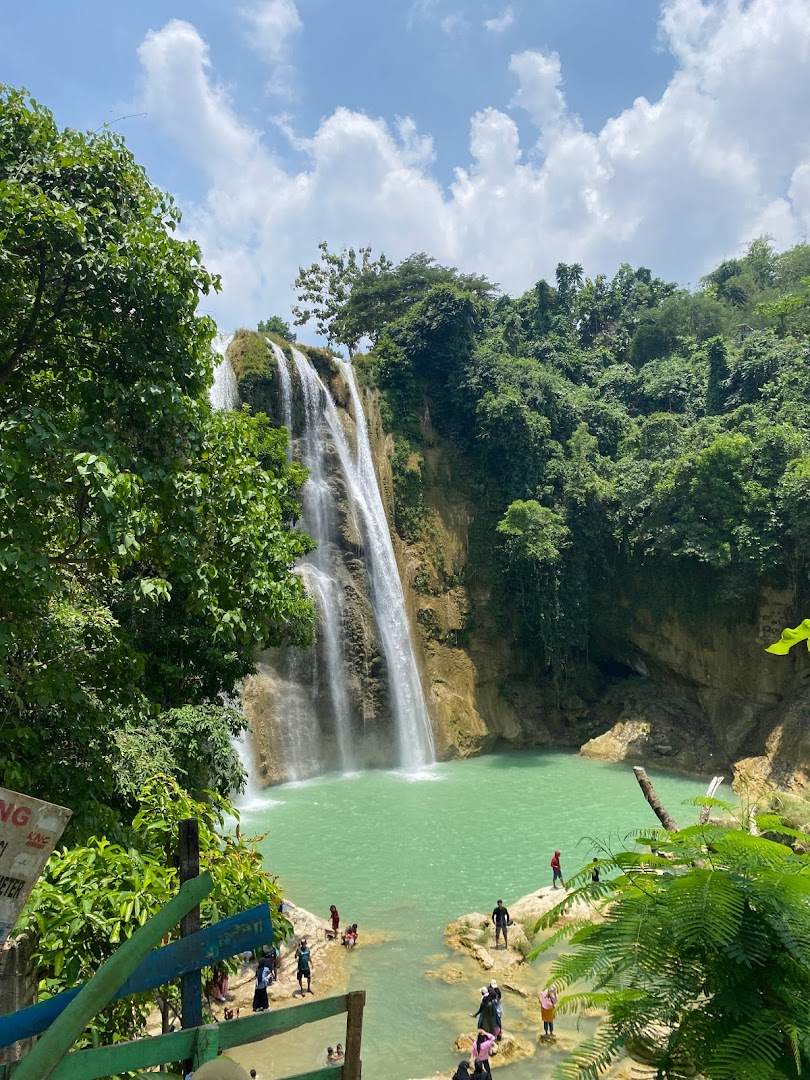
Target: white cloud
(270, 26)
(539, 87)
(499, 24)
(676, 183)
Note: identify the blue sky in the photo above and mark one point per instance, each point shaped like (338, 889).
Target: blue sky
(500, 137)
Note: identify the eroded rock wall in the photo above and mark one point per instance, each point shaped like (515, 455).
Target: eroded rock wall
(692, 690)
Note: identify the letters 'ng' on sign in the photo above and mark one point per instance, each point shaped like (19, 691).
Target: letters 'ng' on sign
(29, 831)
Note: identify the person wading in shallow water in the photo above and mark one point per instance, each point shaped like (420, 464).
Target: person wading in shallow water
(500, 916)
(548, 1010)
(486, 1012)
(304, 959)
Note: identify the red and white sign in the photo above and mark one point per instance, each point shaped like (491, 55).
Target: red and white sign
(29, 831)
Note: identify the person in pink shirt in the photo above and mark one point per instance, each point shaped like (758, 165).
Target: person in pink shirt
(548, 1010)
(556, 870)
(481, 1047)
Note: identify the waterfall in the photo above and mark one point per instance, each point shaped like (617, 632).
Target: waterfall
(320, 521)
(411, 721)
(285, 382)
(310, 707)
(224, 394)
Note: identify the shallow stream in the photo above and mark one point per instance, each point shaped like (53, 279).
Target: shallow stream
(403, 856)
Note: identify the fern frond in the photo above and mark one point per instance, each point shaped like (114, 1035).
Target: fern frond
(562, 934)
(748, 1051)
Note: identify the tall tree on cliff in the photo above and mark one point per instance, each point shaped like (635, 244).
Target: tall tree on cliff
(145, 541)
(324, 288)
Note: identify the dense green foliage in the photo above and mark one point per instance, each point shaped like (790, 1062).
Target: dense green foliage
(610, 427)
(702, 955)
(95, 895)
(146, 541)
(276, 325)
(324, 288)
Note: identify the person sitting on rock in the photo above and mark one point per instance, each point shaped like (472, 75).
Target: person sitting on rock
(463, 1071)
(350, 937)
(500, 916)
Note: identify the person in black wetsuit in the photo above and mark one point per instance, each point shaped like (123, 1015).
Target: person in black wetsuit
(500, 917)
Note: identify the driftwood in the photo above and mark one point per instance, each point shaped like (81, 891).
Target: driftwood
(658, 808)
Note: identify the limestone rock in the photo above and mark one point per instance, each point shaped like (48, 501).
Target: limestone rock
(475, 935)
(448, 975)
(652, 725)
(510, 1049)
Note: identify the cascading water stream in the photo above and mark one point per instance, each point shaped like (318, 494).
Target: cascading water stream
(318, 568)
(224, 394)
(285, 382)
(410, 714)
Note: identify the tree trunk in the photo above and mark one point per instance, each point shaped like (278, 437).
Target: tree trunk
(656, 805)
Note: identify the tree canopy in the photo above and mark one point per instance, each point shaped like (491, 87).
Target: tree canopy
(146, 542)
(665, 429)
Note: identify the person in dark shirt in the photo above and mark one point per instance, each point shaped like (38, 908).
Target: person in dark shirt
(595, 870)
(303, 956)
(500, 917)
(486, 1013)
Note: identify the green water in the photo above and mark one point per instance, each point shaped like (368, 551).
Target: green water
(404, 856)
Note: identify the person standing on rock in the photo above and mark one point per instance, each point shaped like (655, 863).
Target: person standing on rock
(595, 870)
(335, 917)
(556, 871)
(500, 917)
(260, 1002)
(481, 1047)
(304, 958)
(548, 1010)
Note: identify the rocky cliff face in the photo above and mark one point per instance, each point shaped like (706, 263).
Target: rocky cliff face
(693, 691)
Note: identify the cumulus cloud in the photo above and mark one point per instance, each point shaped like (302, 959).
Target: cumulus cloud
(539, 90)
(675, 184)
(270, 24)
(499, 24)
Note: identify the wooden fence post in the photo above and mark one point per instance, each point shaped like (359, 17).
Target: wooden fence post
(352, 1067)
(190, 983)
